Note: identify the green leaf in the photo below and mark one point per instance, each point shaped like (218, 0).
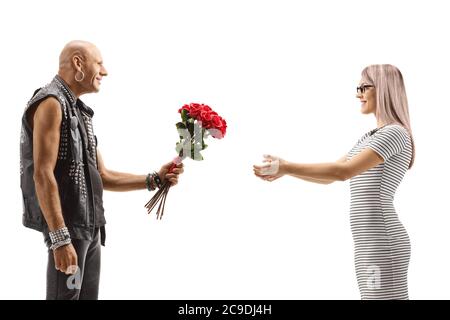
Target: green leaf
(181, 128)
(181, 125)
(190, 127)
(184, 115)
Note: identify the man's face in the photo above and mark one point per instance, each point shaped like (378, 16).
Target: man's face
(94, 70)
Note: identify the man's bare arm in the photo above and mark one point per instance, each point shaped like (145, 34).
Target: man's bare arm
(118, 181)
(122, 181)
(46, 133)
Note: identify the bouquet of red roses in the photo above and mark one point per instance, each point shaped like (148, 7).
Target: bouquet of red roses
(198, 121)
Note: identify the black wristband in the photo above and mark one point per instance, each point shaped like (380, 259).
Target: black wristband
(157, 180)
(148, 182)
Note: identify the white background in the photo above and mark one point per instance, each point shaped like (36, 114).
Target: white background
(283, 73)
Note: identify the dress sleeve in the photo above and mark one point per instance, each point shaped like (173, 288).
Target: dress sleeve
(389, 141)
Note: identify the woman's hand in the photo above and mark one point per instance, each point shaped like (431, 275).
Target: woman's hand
(272, 168)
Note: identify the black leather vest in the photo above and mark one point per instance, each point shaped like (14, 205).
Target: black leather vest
(79, 182)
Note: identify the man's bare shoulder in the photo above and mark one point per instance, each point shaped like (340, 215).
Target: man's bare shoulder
(47, 111)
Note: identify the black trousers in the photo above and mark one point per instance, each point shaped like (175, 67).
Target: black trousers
(84, 284)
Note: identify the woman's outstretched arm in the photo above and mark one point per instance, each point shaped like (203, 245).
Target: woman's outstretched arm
(334, 171)
(323, 173)
(320, 181)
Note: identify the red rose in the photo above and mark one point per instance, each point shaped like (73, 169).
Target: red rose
(209, 119)
(185, 107)
(195, 111)
(206, 108)
(216, 122)
(224, 127)
(206, 124)
(205, 116)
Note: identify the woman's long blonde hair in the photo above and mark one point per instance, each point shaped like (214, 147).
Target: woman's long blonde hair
(392, 103)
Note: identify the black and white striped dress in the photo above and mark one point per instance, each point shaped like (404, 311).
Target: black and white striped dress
(382, 247)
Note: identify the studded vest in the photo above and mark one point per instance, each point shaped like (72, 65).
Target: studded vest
(79, 182)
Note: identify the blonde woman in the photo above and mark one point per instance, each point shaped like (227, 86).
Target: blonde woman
(375, 166)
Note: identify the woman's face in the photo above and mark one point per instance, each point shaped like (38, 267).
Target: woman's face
(366, 94)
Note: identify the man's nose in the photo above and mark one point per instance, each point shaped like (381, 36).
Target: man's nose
(104, 72)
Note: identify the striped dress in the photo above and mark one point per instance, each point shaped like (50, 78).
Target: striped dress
(382, 247)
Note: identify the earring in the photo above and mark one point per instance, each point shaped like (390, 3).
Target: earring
(82, 76)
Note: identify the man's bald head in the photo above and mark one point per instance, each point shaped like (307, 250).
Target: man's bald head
(81, 66)
(80, 48)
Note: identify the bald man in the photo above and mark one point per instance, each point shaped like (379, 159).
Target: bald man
(63, 174)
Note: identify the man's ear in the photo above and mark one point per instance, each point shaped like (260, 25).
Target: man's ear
(77, 61)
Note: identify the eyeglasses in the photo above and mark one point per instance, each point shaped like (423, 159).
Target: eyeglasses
(362, 89)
